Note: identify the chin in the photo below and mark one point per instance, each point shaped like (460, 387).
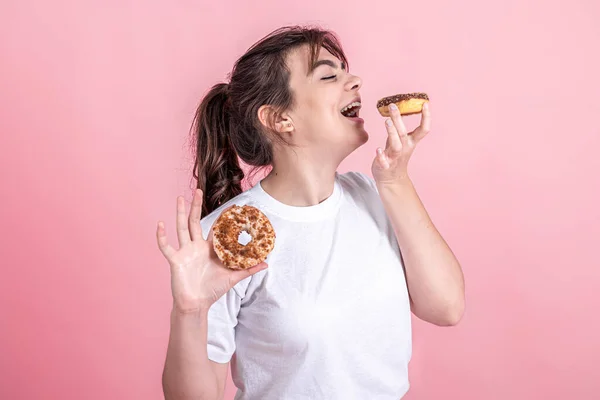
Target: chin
(358, 140)
(362, 137)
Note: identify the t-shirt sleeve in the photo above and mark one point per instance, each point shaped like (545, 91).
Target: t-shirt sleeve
(222, 319)
(364, 181)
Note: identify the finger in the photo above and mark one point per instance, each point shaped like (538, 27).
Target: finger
(163, 244)
(382, 159)
(194, 218)
(183, 234)
(393, 144)
(425, 126)
(237, 276)
(399, 124)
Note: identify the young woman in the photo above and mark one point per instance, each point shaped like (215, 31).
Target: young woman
(329, 318)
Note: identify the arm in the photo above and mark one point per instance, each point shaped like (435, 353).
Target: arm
(434, 276)
(188, 372)
(198, 281)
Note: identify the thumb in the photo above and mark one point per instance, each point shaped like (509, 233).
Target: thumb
(237, 276)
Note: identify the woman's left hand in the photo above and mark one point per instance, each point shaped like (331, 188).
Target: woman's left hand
(390, 165)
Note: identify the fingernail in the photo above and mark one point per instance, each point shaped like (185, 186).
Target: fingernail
(379, 151)
(426, 105)
(389, 122)
(393, 106)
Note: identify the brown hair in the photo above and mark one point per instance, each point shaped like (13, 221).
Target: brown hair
(226, 124)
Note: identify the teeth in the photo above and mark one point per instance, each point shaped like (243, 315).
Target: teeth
(351, 105)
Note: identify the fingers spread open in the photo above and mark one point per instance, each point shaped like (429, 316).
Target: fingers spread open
(183, 233)
(194, 218)
(163, 244)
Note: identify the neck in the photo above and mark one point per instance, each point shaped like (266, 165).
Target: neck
(300, 181)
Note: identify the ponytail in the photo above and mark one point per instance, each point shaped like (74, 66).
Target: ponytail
(216, 167)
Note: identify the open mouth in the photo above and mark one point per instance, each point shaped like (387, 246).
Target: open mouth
(351, 110)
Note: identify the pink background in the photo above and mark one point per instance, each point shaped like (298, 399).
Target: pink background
(95, 103)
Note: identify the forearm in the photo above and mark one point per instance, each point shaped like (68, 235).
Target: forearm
(434, 276)
(188, 373)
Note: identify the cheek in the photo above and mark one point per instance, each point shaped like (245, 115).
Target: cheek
(319, 115)
(322, 104)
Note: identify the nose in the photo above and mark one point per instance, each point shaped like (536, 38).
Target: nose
(354, 83)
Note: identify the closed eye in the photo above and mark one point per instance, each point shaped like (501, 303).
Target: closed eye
(328, 77)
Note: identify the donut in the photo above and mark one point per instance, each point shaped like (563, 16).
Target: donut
(226, 232)
(408, 103)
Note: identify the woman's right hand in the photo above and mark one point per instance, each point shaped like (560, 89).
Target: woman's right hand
(198, 278)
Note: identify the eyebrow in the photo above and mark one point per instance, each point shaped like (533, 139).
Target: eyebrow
(325, 62)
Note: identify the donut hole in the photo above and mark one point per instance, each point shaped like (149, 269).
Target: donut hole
(244, 237)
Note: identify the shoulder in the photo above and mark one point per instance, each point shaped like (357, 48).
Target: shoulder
(361, 191)
(207, 222)
(357, 182)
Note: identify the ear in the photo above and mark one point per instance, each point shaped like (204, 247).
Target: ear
(269, 118)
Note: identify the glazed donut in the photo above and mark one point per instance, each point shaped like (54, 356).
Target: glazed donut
(227, 229)
(409, 103)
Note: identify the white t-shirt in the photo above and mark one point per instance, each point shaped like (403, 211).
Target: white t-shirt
(330, 317)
